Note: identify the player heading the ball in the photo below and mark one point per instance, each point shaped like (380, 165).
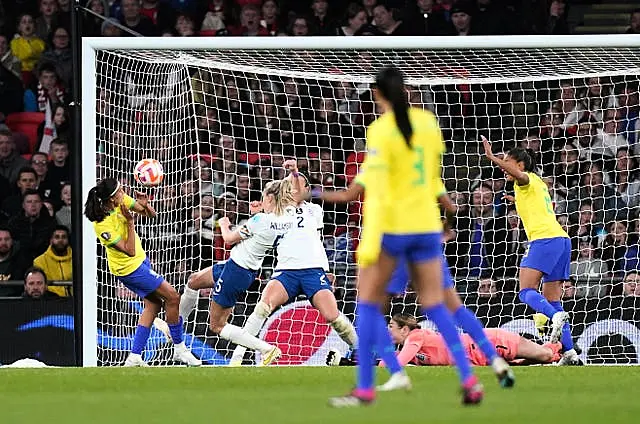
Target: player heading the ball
(401, 221)
(109, 208)
(549, 252)
(251, 243)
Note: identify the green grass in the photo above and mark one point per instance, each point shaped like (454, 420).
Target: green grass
(299, 395)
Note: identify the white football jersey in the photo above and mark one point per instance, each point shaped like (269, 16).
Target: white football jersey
(259, 235)
(301, 247)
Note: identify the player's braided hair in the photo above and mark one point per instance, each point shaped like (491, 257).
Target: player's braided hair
(282, 192)
(404, 320)
(95, 208)
(390, 83)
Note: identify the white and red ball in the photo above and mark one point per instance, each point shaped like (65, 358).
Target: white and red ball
(148, 172)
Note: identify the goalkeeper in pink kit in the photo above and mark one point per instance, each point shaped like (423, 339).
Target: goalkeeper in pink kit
(426, 347)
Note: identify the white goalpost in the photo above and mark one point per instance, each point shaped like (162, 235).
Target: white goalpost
(221, 114)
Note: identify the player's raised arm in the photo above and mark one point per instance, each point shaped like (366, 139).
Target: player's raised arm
(510, 168)
(352, 193)
(300, 193)
(228, 235)
(142, 206)
(128, 246)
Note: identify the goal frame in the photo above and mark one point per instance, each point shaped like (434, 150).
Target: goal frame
(91, 45)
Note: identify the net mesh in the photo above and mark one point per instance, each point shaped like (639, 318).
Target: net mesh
(222, 123)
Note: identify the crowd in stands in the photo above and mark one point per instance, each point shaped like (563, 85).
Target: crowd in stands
(585, 139)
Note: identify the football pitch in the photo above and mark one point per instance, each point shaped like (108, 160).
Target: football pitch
(299, 395)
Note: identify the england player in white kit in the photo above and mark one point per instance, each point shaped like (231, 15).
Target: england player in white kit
(251, 243)
(301, 269)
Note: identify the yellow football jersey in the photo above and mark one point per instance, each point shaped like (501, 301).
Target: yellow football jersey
(110, 231)
(534, 206)
(404, 181)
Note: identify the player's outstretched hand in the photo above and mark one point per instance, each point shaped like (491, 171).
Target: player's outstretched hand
(142, 198)
(126, 213)
(224, 222)
(487, 147)
(290, 165)
(255, 207)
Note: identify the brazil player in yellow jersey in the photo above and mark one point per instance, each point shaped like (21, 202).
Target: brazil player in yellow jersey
(463, 317)
(110, 210)
(401, 221)
(549, 252)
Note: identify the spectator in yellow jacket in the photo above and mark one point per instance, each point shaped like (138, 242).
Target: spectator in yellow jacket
(27, 47)
(56, 261)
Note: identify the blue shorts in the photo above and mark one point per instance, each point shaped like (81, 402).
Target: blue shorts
(400, 278)
(143, 281)
(306, 281)
(234, 280)
(550, 256)
(216, 270)
(413, 247)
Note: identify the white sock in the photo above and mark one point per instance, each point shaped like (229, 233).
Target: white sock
(345, 330)
(254, 324)
(180, 346)
(239, 336)
(188, 301)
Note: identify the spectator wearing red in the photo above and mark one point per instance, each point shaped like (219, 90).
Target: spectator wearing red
(135, 21)
(249, 23)
(270, 16)
(159, 13)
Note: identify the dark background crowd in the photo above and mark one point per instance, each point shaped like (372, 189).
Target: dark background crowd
(584, 133)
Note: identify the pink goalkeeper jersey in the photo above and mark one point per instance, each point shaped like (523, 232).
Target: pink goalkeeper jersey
(426, 347)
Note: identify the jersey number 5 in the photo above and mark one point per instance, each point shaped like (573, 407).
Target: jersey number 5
(418, 165)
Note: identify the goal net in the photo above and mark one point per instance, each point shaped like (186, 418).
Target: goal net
(223, 120)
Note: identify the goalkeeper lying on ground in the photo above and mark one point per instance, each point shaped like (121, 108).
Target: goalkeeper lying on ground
(426, 347)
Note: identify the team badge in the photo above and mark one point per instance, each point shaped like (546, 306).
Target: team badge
(105, 236)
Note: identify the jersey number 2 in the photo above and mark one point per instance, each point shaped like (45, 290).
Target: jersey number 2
(418, 165)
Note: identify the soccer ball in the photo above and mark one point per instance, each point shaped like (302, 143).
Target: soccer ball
(148, 172)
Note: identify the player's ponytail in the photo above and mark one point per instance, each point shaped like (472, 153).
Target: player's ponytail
(404, 320)
(283, 195)
(96, 208)
(390, 84)
(526, 156)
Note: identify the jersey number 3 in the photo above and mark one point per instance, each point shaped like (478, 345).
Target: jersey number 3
(418, 165)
